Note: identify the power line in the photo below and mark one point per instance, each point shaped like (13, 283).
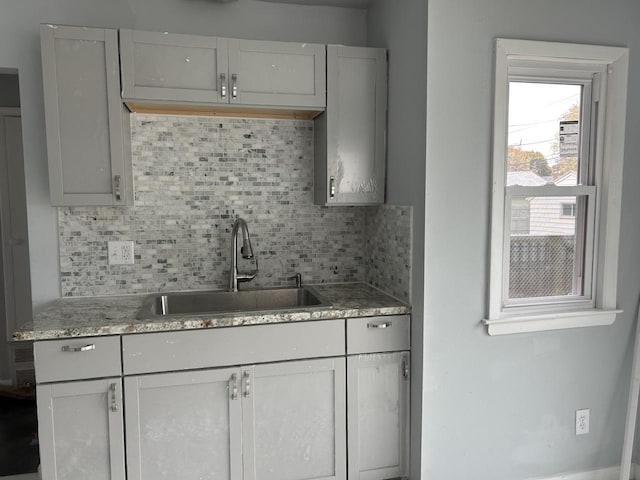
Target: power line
(533, 143)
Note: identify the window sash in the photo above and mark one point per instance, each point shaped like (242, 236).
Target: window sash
(588, 111)
(584, 266)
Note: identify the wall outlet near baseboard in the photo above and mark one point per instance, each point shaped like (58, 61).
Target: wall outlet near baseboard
(120, 253)
(582, 421)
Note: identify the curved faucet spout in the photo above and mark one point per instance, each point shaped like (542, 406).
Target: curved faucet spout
(247, 252)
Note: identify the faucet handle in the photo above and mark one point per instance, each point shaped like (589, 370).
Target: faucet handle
(298, 278)
(246, 277)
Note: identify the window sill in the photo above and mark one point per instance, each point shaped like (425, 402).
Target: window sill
(550, 321)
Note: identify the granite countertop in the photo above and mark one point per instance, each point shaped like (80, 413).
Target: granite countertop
(114, 315)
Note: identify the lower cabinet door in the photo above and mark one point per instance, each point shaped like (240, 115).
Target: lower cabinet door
(184, 425)
(80, 430)
(378, 413)
(294, 420)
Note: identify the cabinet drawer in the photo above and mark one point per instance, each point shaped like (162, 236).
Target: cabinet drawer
(73, 359)
(190, 349)
(378, 334)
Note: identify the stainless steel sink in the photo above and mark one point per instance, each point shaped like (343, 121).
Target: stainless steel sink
(195, 303)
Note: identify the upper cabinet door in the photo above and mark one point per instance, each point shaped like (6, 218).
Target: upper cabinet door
(87, 125)
(173, 67)
(277, 73)
(356, 120)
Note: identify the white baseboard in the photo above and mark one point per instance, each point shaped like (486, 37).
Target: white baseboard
(611, 473)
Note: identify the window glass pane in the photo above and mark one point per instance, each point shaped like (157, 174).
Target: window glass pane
(545, 246)
(544, 131)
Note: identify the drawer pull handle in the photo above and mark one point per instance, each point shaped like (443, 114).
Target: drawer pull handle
(114, 400)
(116, 188)
(247, 384)
(379, 325)
(86, 348)
(234, 386)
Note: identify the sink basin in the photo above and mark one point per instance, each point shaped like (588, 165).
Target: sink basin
(194, 303)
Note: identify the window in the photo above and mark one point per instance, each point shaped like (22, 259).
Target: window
(559, 120)
(568, 209)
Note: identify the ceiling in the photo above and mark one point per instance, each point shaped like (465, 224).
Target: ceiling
(332, 3)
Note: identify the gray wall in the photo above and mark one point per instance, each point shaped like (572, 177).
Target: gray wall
(20, 49)
(403, 31)
(503, 407)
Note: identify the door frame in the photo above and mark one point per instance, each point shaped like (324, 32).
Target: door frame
(13, 233)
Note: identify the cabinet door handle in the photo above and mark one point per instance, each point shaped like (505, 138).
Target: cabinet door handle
(85, 348)
(405, 368)
(116, 188)
(234, 85)
(332, 187)
(114, 399)
(233, 386)
(223, 85)
(379, 324)
(247, 384)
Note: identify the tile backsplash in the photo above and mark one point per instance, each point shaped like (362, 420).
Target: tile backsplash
(388, 249)
(193, 176)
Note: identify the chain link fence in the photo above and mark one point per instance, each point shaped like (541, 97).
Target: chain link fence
(541, 266)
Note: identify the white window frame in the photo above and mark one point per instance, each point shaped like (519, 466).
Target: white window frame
(598, 305)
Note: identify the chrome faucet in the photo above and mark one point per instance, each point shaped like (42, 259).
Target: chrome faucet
(245, 250)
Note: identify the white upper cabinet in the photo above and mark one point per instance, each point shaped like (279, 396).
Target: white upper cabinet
(87, 125)
(350, 137)
(209, 70)
(277, 73)
(172, 67)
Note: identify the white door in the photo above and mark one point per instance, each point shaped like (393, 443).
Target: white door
(184, 425)
(14, 249)
(294, 420)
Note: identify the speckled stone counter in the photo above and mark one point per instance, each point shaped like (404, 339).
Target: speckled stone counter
(114, 315)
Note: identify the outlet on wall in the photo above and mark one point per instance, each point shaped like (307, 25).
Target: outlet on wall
(120, 253)
(582, 421)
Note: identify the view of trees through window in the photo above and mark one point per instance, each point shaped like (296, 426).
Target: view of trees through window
(543, 149)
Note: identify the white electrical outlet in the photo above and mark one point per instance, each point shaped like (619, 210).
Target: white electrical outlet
(582, 421)
(120, 253)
